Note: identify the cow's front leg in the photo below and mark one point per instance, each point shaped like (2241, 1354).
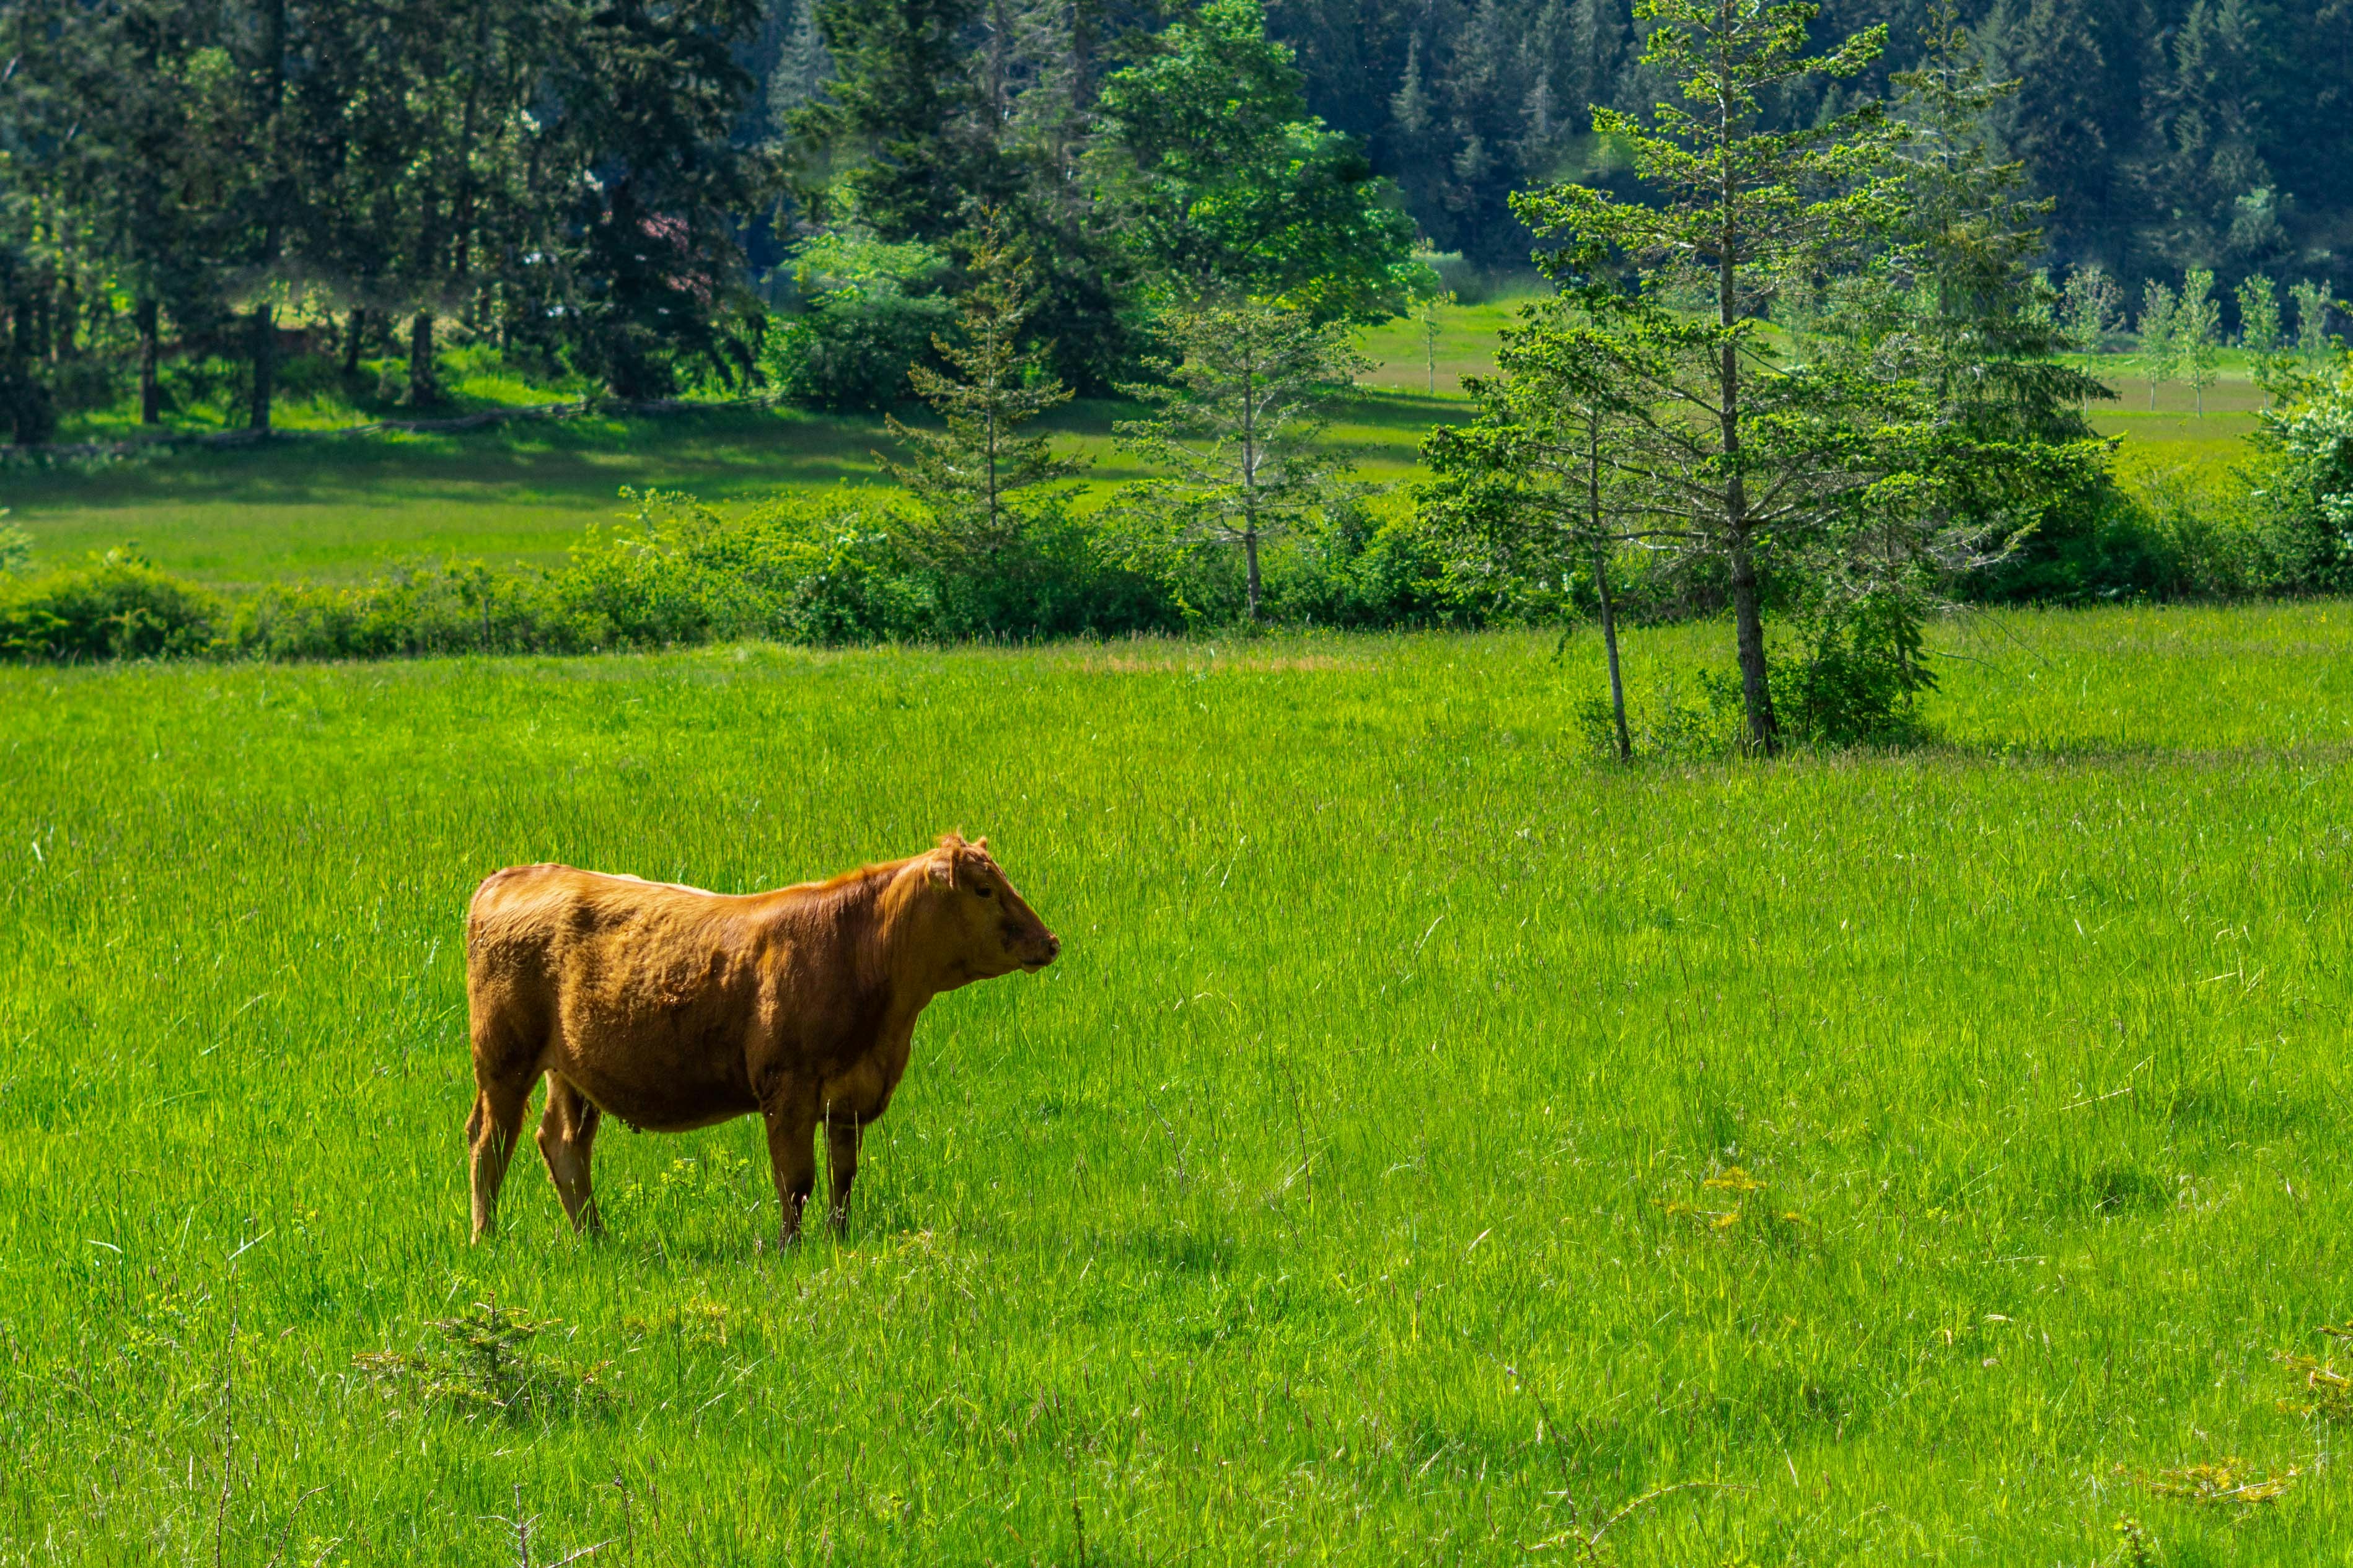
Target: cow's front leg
(842, 1137)
(791, 1157)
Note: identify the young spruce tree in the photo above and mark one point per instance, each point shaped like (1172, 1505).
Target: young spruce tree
(972, 475)
(1236, 425)
(1975, 326)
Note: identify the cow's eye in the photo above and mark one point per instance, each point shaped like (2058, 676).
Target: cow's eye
(984, 891)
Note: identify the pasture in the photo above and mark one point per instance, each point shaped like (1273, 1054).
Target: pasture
(1434, 1145)
(342, 509)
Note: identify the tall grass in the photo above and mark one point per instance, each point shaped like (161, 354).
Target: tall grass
(1433, 1143)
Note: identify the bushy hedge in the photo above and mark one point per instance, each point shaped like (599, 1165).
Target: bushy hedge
(118, 606)
(828, 569)
(808, 572)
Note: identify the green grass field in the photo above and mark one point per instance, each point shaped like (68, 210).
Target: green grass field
(341, 509)
(1433, 1143)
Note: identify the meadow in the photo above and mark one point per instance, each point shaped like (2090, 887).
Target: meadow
(1435, 1146)
(343, 509)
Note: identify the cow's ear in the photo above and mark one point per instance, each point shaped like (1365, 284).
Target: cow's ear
(944, 870)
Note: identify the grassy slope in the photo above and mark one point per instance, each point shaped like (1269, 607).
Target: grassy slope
(343, 508)
(340, 509)
(1352, 1191)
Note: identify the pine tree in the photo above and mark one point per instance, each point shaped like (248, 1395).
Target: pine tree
(2203, 154)
(1978, 327)
(1237, 422)
(2057, 124)
(1597, 30)
(974, 475)
(905, 85)
(803, 64)
(1741, 207)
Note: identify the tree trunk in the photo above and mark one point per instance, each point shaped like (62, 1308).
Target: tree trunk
(151, 351)
(1250, 554)
(265, 364)
(1749, 626)
(422, 388)
(354, 336)
(1610, 646)
(1601, 579)
(1748, 638)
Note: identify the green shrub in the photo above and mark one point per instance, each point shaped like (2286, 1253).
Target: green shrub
(118, 606)
(412, 610)
(810, 570)
(866, 313)
(803, 571)
(1360, 571)
(2303, 478)
(1854, 675)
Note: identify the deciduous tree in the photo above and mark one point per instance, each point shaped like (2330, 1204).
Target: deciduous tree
(2160, 340)
(1218, 180)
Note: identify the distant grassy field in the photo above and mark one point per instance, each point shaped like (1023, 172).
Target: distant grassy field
(342, 508)
(1434, 1146)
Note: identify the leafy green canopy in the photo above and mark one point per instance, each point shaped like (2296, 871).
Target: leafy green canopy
(1216, 177)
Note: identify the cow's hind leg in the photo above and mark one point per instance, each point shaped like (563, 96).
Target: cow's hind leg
(567, 1138)
(491, 1132)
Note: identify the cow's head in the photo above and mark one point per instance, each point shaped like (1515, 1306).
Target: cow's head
(990, 930)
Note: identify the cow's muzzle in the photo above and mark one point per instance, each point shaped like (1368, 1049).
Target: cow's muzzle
(1044, 953)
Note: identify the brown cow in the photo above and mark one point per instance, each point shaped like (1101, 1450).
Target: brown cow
(674, 1008)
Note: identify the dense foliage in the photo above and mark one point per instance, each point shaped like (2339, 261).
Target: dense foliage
(859, 565)
(2173, 133)
(191, 180)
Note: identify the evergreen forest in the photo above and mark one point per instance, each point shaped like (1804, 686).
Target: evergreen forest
(676, 196)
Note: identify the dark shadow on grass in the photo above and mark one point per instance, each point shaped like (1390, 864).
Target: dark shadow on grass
(574, 461)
